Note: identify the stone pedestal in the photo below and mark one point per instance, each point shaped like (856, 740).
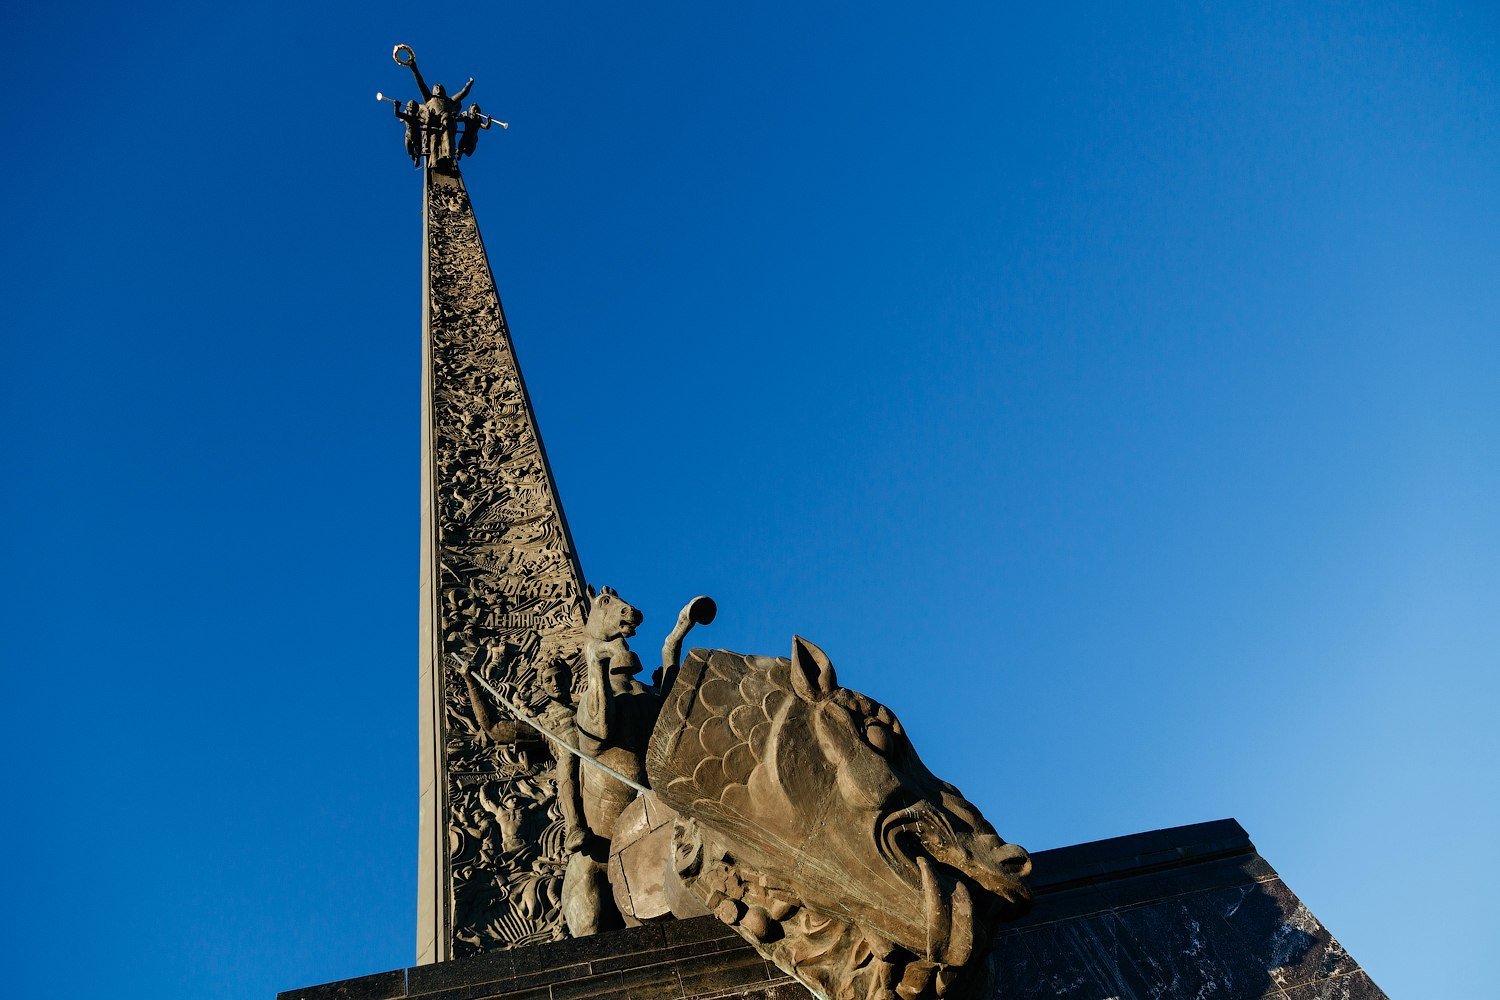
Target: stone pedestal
(1175, 914)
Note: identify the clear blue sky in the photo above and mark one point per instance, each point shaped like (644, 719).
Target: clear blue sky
(1113, 393)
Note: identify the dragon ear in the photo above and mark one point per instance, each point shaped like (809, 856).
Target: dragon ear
(812, 671)
(589, 587)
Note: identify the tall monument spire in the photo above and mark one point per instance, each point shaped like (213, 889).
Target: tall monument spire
(500, 584)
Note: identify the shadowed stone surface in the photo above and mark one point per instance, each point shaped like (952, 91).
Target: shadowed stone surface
(1190, 912)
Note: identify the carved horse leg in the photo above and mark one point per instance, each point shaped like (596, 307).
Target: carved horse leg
(587, 903)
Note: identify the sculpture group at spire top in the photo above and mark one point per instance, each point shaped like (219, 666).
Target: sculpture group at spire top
(432, 127)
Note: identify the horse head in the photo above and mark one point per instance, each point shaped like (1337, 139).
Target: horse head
(609, 616)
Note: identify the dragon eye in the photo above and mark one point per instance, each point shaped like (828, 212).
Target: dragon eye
(878, 736)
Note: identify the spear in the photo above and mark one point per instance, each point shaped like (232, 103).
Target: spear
(532, 721)
(393, 102)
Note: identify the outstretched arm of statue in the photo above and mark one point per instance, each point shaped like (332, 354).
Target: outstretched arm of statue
(464, 91)
(499, 730)
(482, 713)
(421, 83)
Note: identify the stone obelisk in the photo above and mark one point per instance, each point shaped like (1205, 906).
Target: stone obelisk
(500, 583)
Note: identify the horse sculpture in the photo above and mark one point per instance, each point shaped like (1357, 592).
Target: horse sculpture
(798, 812)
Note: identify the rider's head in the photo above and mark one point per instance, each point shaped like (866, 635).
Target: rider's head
(438, 91)
(556, 679)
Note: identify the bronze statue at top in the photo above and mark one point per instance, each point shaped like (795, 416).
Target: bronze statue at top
(432, 127)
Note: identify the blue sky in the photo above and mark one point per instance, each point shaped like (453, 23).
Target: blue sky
(1111, 392)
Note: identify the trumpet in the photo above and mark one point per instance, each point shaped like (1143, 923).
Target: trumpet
(393, 102)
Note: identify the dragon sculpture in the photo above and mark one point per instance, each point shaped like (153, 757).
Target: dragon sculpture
(797, 811)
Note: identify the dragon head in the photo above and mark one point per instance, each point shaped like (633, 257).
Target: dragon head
(809, 822)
